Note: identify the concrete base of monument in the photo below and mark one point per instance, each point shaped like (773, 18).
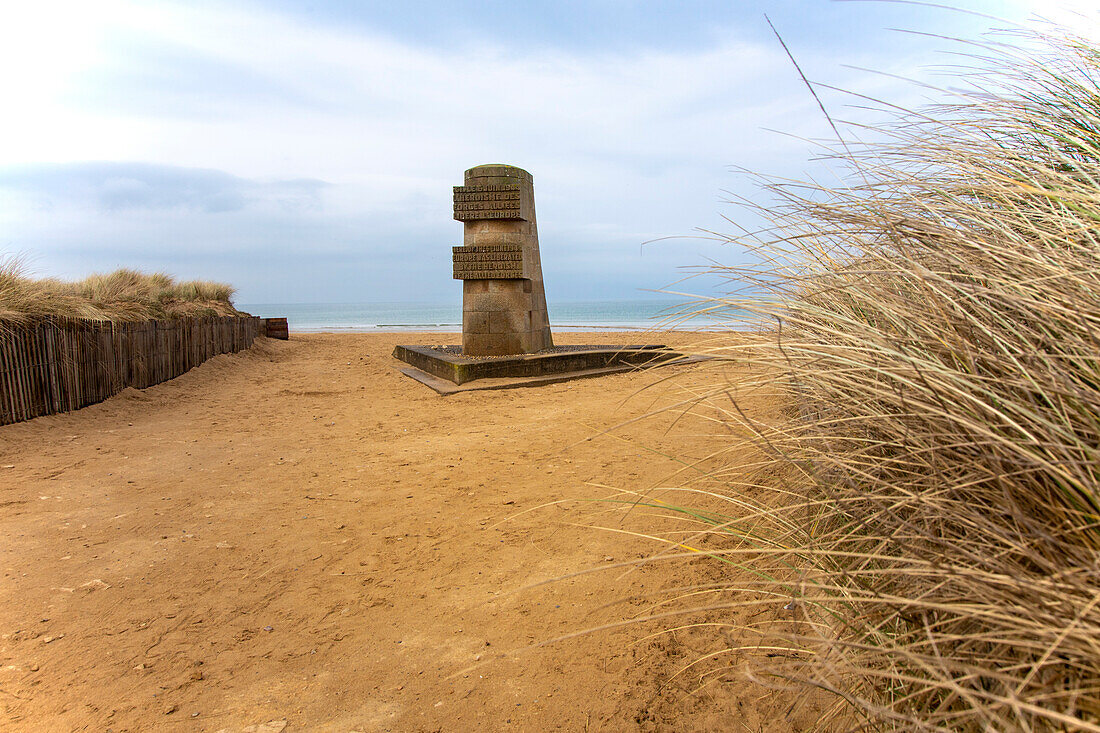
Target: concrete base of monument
(446, 370)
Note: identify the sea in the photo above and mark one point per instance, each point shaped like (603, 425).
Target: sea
(596, 315)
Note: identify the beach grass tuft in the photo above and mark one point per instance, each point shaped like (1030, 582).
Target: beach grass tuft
(923, 525)
(122, 295)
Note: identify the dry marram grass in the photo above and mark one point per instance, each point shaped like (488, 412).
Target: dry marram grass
(931, 527)
(122, 295)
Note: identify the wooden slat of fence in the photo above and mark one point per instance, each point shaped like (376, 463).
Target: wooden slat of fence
(81, 346)
(93, 369)
(7, 378)
(21, 362)
(15, 374)
(12, 369)
(31, 407)
(50, 333)
(137, 369)
(25, 360)
(61, 363)
(67, 366)
(72, 366)
(50, 365)
(45, 369)
(7, 411)
(103, 364)
(37, 394)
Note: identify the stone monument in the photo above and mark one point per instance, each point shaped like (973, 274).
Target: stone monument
(505, 332)
(503, 299)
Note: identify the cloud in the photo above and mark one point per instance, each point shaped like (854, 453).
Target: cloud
(314, 161)
(115, 187)
(161, 77)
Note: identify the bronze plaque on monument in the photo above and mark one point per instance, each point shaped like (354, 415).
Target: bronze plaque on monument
(490, 201)
(488, 262)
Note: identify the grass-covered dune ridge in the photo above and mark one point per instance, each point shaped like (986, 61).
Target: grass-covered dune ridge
(935, 337)
(122, 295)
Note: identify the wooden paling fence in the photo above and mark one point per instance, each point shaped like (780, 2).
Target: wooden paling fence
(51, 364)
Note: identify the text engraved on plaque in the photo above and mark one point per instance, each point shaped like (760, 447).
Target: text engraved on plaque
(488, 262)
(499, 201)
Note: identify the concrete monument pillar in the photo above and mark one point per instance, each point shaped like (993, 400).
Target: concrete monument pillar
(503, 300)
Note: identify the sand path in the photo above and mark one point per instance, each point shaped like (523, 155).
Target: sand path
(301, 534)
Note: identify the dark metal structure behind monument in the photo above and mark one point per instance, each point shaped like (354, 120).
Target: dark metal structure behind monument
(503, 298)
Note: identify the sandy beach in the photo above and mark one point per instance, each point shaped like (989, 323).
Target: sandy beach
(300, 536)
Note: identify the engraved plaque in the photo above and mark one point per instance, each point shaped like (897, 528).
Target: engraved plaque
(496, 201)
(488, 262)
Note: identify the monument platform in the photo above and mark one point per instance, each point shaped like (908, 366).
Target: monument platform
(446, 369)
(506, 338)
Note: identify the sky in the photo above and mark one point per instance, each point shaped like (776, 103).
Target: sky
(305, 150)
